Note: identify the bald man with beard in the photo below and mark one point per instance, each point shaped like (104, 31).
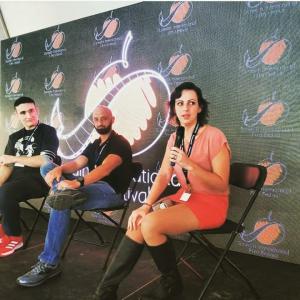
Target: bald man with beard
(108, 159)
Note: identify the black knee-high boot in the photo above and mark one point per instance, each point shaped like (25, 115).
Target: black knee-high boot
(170, 282)
(123, 262)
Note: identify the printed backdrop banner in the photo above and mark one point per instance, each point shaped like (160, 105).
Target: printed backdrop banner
(244, 56)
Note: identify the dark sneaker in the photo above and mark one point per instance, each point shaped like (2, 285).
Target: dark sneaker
(66, 199)
(38, 274)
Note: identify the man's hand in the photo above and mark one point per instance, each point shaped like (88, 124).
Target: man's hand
(68, 184)
(53, 174)
(6, 160)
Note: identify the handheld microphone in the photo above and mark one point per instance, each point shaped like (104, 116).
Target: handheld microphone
(178, 140)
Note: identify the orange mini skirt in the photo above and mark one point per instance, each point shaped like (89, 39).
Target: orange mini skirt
(210, 209)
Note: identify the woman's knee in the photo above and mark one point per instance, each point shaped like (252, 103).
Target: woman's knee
(47, 167)
(150, 225)
(135, 235)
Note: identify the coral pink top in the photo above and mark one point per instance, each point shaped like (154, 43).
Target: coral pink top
(209, 206)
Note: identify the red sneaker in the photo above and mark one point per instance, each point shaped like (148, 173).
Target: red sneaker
(9, 244)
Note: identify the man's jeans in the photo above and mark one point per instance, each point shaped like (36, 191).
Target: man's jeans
(100, 195)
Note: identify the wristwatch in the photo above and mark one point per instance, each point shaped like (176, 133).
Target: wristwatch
(80, 179)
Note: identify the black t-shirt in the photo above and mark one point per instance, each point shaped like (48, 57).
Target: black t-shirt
(42, 140)
(120, 177)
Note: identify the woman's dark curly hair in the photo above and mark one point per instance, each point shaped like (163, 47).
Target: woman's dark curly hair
(202, 116)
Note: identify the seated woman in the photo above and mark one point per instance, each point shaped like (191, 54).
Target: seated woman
(201, 164)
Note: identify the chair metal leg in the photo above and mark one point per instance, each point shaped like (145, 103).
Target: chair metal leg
(222, 257)
(90, 226)
(25, 225)
(233, 265)
(71, 236)
(187, 243)
(74, 229)
(38, 210)
(209, 247)
(38, 215)
(183, 260)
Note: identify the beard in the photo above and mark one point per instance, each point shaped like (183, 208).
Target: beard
(104, 130)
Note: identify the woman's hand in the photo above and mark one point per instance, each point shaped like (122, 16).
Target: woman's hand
(137, 216)
(179, 157)
(53, 174)
(68, 184)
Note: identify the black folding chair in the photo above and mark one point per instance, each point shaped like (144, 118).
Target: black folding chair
(38, 214)
(136, 171)
(38, 211)
(245, 176)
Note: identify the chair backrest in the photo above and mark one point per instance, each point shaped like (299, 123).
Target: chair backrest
(247, 176)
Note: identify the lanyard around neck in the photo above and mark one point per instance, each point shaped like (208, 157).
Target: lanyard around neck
(30, 137)
(190, 147)
(102, 148)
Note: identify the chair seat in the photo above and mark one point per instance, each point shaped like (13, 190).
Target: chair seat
(228, 227)
(109, 208)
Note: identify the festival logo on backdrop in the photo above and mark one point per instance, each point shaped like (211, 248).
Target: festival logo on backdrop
(276, 171)
(131, 97)
(254, 4)
(160, 123)
(13, 54)
(268, 233)
(107, 34)
(13, 88)
(12, 123)
(267, 121)
(271, 54)
(176, 19)
(54, 45)
(276, 175)
(261, 9)
(53, 86)
(178, 65)
(271, 51)
(270, 112)
(179, 12)
(110, 28)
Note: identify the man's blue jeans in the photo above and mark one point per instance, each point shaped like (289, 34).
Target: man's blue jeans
(100, 195)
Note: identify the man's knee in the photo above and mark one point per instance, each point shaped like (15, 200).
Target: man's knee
(47, 167)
